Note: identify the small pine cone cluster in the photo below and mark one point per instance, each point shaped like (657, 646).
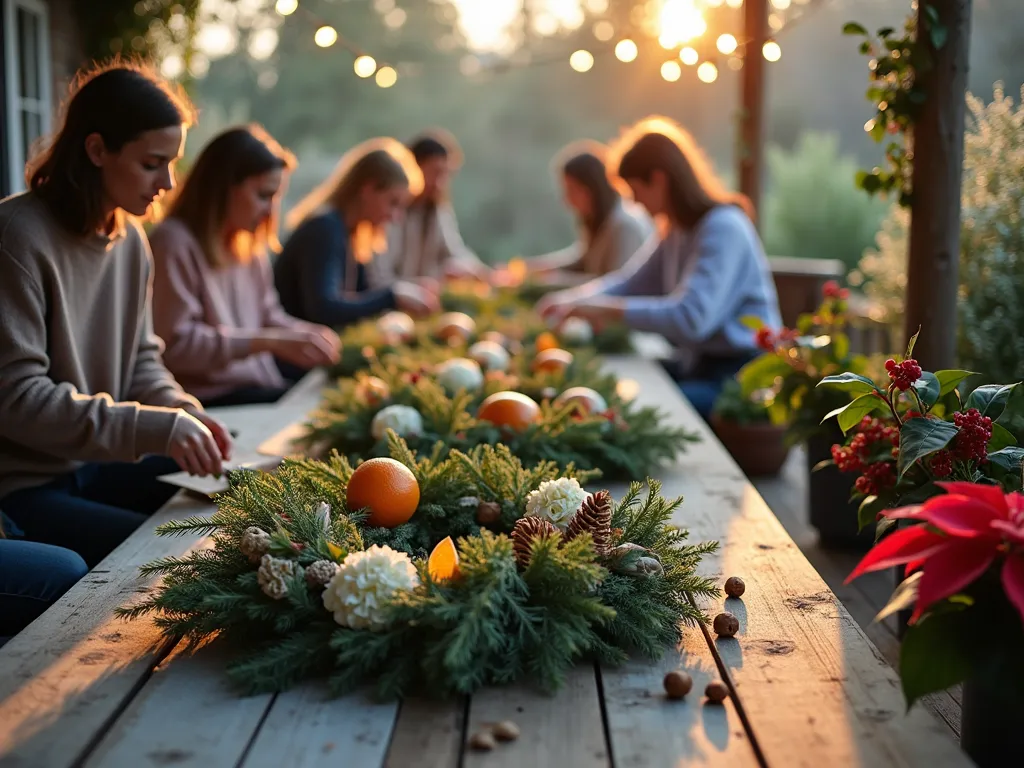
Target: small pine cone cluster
(255, 543)
(320, 573)
(594, 517)
(526, 530)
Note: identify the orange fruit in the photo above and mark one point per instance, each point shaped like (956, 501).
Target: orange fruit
(387, 489)
(457, 326)
(443, 563)
(374, 390)
(509, 409)
(584, 397)
(546, 341)
(552, 361)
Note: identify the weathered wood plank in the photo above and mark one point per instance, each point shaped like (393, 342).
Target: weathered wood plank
(305, 728)
(814, 688)
(186, 714)
(428, 732)
(564, 729)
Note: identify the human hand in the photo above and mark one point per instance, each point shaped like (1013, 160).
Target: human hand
(193, 446)
(304, 347)
(415, 300)
(221, 434)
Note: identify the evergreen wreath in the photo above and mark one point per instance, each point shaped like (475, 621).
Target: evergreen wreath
(623, 440)
(303, 587)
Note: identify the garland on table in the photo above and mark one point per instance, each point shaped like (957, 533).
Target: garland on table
(589, 427)
(304, 586)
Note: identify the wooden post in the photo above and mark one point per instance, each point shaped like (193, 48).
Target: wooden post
(751, 122)
(932, 266)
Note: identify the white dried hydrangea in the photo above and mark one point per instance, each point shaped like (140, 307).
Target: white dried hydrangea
(320, 573)
(490, 355)
(404, 419)
(459, 373)
(556, 501)
(576, 331)
(274, 574)
(364, 584)
(255, 543)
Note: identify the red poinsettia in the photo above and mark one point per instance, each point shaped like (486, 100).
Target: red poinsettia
(966, 530)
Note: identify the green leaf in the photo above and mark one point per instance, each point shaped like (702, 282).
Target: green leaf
(932, 13)
(928, 388)
(851, 413)
(1008, 458)
(904, 596)
(950, 380)
(938, 35)
(853, 28)
(850, 382)
(885, 31)
(753, 322)
(937, 653)
(922, 437)
(865, 47)
(990, 399)
(1001, 438)
(761, 372)
(840, 345)
(867, 512)
(911, 343)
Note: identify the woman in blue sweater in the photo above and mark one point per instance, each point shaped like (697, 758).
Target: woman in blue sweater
(321, 273)
(697, 284)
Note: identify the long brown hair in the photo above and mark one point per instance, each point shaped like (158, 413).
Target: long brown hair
(659, 144)
(120, 100)
(584, 163)
(382, 162)
(201, 201)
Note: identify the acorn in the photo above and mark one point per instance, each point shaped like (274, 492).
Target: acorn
(488, 512)
(482, 741)
(506, 730)
(726, 625)
(677, 684)
(717, 692)
(734, 586)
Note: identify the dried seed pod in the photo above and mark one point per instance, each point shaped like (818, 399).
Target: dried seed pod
(677, 684)
(726, 625)
(506, 730)
(734, 586)
(717, 692)
(482, 741)
(488, 512)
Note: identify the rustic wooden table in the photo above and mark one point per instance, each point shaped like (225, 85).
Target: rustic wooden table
(81, 688)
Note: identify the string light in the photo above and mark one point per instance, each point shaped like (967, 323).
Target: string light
(727, 44)
(626, 50)
(286, 7)
(781, 4)
(604, 31)
(735, 63)
(326, 36)
(386, 77)
(772, 51)
(364, 65)
(734, 3)
(671, 71)
(707, 72)
(689, 56)
(581, 61)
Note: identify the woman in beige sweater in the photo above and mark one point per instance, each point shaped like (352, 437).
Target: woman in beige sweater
(91, 417)
(214, 301)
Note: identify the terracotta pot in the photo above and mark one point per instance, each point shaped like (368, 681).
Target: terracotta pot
(759, 449)
(829, 507)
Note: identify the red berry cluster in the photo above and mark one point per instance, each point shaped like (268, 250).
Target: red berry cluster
(765, 339)
(876, 478)
(941, 463)
(904, 374)
(971, 440)
(831, 290)
(856, 457)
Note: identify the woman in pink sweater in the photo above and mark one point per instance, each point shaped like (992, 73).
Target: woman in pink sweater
(214, 302)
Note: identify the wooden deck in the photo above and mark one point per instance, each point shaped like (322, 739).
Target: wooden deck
(808, 687)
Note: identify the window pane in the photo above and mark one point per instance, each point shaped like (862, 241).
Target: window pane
(28, 48)
(31, 129)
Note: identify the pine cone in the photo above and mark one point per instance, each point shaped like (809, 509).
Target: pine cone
(594, 517)
(318, 574)
(526, 530)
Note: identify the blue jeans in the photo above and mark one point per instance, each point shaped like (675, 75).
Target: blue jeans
(93, 509)
(705, 382)
(32, 577)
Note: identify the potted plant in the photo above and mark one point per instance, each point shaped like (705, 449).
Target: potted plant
(750, 430)
(794, 362)
(963, 556)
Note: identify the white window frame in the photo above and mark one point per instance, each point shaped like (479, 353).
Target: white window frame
(43, 106)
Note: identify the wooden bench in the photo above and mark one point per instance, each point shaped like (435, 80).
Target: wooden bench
(79, 688)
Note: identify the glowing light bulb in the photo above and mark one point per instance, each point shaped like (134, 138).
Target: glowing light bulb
(707, 72)
(325, 37)
(772, 51)
(364, 65)
(286, 7)
(727, 44)
(671, 70)
(689, 56)
(386, 77)
(604, 31)
(626, 50)
(581, 61)
(734, 3)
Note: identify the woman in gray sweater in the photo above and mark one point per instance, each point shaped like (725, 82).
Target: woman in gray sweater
(697, 284)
